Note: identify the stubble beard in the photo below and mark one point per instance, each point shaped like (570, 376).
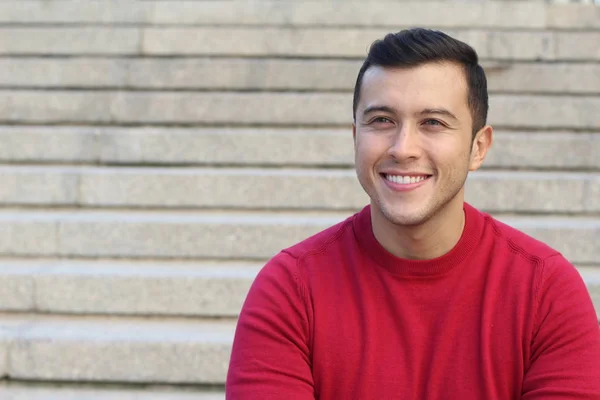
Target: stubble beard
(410, 215)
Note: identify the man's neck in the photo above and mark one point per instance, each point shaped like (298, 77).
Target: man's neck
(436, 237)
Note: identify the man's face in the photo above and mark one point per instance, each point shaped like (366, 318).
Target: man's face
(412, 139)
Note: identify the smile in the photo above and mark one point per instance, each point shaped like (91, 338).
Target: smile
(405, 179)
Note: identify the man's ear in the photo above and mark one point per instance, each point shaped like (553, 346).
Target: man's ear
(354, 133)
(480, 147)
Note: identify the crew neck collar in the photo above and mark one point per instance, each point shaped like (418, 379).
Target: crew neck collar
(469, 239)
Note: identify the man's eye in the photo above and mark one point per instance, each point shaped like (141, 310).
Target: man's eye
(433, 122)
(382, 120)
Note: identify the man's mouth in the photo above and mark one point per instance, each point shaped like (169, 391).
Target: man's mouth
(405, 179)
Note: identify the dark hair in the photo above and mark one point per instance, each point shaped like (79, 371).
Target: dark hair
(417, 46)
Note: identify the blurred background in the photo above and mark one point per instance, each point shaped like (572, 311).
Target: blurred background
(154, 154)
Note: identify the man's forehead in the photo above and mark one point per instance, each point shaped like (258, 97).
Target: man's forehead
(427, 86)
(445, 70)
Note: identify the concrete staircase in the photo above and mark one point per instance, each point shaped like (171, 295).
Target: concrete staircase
(155, 153)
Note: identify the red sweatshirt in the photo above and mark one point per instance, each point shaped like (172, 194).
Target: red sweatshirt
(337, 317)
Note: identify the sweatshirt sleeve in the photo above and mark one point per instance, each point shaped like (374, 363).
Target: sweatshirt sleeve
(565, 349)
(271, 355)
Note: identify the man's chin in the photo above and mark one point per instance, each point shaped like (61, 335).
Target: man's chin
(408, 216)
(408, 220)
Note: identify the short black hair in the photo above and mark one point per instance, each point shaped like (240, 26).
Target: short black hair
(417, 46)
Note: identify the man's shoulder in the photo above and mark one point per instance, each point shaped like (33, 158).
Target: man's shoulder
(507, 235)
(286, 271)
(323, 240)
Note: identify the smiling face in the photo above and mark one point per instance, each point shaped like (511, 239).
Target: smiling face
(413, 141)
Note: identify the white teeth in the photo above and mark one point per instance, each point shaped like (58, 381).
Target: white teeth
(404, 180)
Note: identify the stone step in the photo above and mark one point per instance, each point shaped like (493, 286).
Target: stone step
(129, 287)
(177, 288)
(247, 188)
(229, 234)
(45, 391)
(263, 146)
(266, 74)
(528, 15)
(296, 109)
(104, 349)
(281, 41)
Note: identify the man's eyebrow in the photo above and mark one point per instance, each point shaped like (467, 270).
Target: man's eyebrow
(438, 111)
(376, 108)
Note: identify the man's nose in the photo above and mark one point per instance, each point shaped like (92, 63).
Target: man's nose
(406, 143)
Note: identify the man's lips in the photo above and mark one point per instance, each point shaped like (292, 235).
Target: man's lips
(405, 178)
(404, 183)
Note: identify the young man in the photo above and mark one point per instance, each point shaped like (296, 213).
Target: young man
(419, 295)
